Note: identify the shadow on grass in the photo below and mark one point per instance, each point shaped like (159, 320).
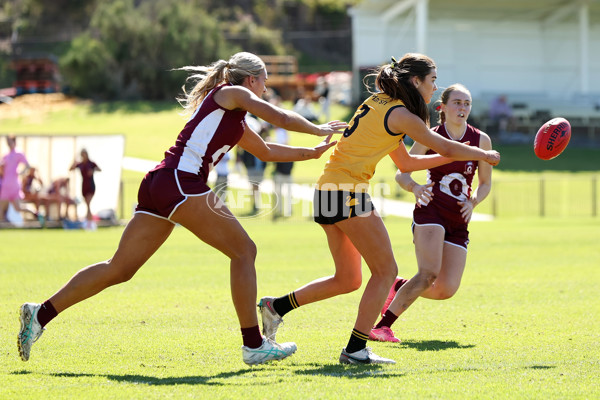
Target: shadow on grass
(348, 371)
(434, 345)
(344, 371)
(540, 367)
(153, 380)
(21, 372)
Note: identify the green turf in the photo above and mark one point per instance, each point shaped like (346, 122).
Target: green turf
(523, 325)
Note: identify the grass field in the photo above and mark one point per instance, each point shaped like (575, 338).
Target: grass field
(523, 325)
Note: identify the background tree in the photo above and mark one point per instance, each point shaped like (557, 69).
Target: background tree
(126, 49)
(134, 48)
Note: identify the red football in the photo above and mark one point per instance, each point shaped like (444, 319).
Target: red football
(552, 138)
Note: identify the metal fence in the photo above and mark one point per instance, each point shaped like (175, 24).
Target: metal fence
(545, 196)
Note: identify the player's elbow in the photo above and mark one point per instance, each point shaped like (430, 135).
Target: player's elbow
(267, 154)
(446, 150)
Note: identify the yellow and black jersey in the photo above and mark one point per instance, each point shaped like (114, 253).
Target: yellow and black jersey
(364, 143)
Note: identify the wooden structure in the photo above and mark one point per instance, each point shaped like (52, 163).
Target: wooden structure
(284, 77)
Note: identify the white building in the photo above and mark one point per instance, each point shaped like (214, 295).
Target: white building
(539, 50)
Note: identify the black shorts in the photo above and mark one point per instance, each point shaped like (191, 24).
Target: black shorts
(337, 205)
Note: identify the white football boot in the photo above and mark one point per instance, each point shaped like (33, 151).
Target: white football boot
(364, 356)
(270, 319)
(31, 330)
(268, 351)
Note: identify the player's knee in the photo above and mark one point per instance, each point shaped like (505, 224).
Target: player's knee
(430, 277)
(388, 273)
(347, 283)
(444, 293)
(392, 273)
(246, 250)
(426, 278)
(117, 274)
(352, 284)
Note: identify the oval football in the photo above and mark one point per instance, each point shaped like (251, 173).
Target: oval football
(552, 138)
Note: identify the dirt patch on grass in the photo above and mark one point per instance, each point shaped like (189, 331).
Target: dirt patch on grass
(35, 106)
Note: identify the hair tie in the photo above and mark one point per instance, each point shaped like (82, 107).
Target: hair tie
(438, 108)
(394, 63)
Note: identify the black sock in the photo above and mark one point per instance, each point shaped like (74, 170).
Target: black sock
(358, 341)
(46, 313)
(285, 304)
(388, 319)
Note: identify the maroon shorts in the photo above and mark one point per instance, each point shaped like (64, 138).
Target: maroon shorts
(165, 189)
(88, 189)
(456, 232)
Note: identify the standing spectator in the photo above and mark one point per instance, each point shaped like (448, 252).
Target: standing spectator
(304, 107)
(282, 175)
(324, 99)
(88, 187)
(1, 175)
(10, 192)
(282, 179)
(255, 167)
(221, 184)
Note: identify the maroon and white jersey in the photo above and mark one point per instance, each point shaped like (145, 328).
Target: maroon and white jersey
(452, 182)
(210, 133)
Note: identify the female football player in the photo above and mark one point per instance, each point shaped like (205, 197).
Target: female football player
(343, 207)
(442, 213)
(87, 168)
(175, 192)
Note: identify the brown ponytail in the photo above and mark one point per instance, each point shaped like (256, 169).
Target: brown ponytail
(394, 80)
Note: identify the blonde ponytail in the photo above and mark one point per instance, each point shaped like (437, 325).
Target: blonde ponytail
(205, 79)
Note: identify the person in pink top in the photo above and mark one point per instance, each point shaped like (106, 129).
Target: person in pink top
(176, 192)
(10, 191)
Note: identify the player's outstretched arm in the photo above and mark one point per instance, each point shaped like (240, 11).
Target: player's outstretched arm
(267, 151)
(416, 161)
(402, 120)
(242, 98)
